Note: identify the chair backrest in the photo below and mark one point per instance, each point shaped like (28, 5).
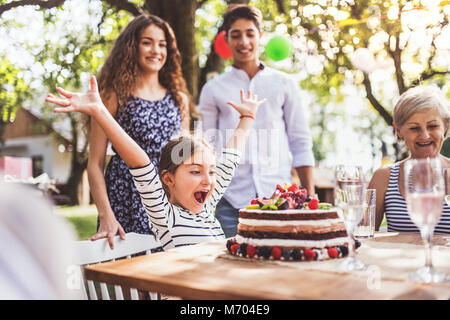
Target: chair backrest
(91, 252)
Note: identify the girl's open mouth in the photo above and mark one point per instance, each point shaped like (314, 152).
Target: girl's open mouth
(200, 196)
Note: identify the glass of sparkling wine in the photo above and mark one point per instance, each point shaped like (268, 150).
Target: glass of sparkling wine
(350, 200)
(447, 185)
(424, 193)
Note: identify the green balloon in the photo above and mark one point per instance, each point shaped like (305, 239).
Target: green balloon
(278, 48)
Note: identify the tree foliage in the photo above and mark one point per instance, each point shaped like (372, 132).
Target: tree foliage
(407, 39)
(13, 92)
(324, 35)
(332, 30)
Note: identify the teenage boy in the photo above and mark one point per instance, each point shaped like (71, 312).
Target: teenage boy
(280, 139)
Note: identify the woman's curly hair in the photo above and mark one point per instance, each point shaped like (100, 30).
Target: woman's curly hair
(118, 74)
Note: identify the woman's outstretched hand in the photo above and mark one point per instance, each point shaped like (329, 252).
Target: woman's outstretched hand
(249, 105)
(87, 103)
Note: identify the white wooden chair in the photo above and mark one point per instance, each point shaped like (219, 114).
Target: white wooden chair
(92, 252)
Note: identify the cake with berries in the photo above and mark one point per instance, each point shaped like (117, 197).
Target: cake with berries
(289, 226)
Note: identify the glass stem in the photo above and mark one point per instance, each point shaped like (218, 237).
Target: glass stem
(426, 236)
(351, 243)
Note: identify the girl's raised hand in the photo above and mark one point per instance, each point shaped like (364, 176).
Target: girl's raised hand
(87, 103)
(249, 105)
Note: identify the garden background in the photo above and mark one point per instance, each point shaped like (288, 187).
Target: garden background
(352, 59)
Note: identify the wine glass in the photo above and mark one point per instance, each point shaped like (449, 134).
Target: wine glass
(447, 190)
(350, 200)
(424, 193)
(447, 185)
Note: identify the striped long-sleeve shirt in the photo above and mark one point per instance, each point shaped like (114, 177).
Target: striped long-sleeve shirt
(175, 226)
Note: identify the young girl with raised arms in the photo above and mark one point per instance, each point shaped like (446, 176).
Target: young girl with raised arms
(180, 200)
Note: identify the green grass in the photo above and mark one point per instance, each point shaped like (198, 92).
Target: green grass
(384, 222)
(83, 219)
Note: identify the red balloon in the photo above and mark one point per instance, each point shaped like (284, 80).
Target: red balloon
(221, 47)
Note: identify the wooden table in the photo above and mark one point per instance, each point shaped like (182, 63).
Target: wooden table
(204, 272)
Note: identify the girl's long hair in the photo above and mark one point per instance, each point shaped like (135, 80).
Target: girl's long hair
(118, 74)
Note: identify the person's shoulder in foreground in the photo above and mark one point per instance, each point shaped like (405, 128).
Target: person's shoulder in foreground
(35, 254)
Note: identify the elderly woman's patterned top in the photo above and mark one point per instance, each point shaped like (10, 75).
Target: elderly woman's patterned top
(151, 124)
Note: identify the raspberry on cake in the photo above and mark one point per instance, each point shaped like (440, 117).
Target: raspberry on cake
(291, 226)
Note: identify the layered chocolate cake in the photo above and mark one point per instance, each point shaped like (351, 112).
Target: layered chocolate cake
(289, 226)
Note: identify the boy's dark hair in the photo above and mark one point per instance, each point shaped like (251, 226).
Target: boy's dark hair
(239, 11)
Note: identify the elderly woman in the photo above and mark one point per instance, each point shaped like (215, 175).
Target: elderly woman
(421, 120)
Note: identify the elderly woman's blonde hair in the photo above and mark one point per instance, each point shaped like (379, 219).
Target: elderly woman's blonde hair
(419, 99)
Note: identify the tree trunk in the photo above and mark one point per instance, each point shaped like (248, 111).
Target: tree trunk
(396, 55)
(76, 174)
(387, 117)
(78, 159)
(180, 14)
(2, 130)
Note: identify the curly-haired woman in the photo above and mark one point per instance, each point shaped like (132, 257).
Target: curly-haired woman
(142, 86)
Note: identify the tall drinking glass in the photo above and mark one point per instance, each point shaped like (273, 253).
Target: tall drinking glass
(447, 189)
(447, 185)
(366, 226)
(424, 193)
(350, 200)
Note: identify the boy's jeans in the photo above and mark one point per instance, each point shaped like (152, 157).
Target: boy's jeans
(228, 217)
